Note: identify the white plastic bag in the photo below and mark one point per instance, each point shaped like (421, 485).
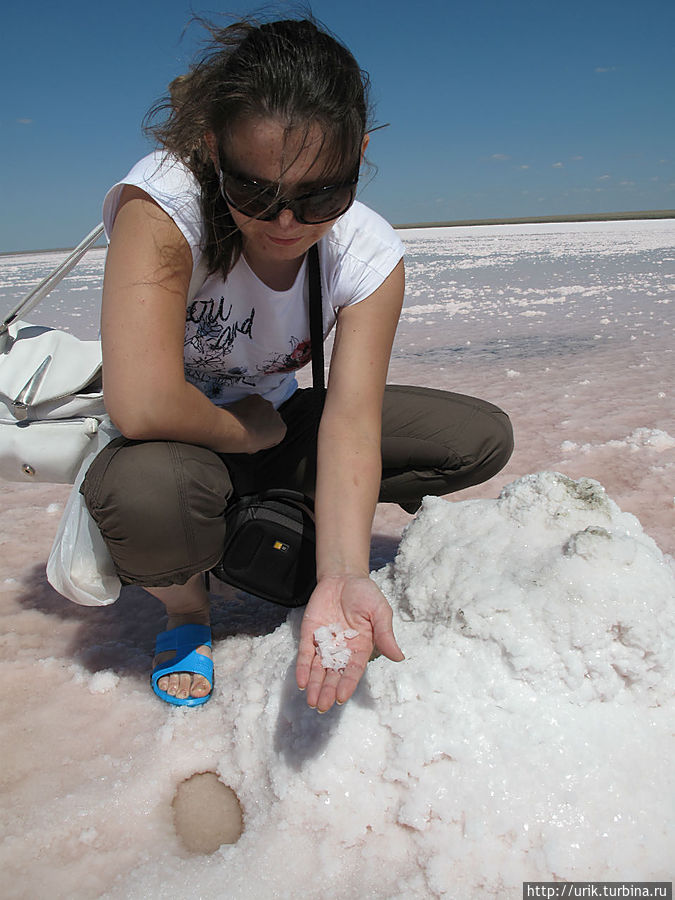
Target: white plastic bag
(79, 565)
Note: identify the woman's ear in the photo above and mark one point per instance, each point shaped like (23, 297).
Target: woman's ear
(212, 144)
(364, 145)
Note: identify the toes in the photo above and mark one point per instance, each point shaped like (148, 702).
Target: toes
(174, 684)
(184, 684)
(200, 686)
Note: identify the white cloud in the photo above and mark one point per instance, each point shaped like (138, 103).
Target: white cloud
(24, 121)
(604, 177)
(557, 165)
(499, 156)
(576, 158)
(523, 167)
(605, 69)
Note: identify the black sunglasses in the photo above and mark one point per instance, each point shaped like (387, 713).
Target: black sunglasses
(263, 201)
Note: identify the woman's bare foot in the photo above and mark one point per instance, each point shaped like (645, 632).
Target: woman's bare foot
(186, 604)
(184, 684)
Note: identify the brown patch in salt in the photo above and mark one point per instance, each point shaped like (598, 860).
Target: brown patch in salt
(206, 813)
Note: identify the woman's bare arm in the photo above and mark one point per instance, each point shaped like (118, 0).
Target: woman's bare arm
(348, 480)
(349, 457)
(148, 270)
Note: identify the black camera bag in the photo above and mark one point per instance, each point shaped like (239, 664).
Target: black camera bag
(270, 547)
(270, 540)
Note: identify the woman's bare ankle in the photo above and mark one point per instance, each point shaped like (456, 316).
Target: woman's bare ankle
(186, 604)
(199, 617)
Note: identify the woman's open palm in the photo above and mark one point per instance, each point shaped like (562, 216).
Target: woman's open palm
(349, 602)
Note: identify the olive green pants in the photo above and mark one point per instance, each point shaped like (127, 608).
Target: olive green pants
(160, 504)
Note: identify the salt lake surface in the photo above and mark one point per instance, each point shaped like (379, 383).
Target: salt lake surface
(528, 734)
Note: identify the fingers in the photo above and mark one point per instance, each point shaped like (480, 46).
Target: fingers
(306, 650)
(349, 681)
(321, 686)
(328, 686)
(386, 644)
(303, 666)
(263, 423)
(383, 634)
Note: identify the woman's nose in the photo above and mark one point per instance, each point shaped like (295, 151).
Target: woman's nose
(286, 219)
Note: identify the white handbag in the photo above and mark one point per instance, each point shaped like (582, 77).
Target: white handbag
(51, 392)
(51, 403)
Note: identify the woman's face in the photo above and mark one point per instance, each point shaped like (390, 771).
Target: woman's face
(262, 150)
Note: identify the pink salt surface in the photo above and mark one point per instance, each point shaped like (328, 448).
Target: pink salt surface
(77, 809)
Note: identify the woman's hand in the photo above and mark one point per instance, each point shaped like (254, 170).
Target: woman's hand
(262, 424)
(351, 602)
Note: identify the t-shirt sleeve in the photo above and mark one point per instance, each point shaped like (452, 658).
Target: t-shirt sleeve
(172, 186)
(362, 251)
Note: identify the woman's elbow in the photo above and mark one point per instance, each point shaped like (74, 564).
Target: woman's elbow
(137, 421)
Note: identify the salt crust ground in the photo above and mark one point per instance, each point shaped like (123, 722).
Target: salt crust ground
(570, 330)
(528, 734)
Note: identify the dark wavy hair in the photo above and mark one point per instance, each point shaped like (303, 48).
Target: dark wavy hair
(292, 70)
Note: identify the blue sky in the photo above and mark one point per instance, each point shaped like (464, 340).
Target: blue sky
(497, 109)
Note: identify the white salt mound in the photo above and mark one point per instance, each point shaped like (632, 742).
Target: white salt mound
(551, 585)
(331, 646)
(527, 736)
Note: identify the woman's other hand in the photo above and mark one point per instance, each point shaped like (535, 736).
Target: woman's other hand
(262, 423)
(351, 602)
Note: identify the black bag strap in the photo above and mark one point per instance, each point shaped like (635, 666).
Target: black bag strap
(316, 338)
(315, 316)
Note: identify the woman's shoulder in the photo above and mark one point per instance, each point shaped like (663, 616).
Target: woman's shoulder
(358, 254)
(361, 231)
(171, 185)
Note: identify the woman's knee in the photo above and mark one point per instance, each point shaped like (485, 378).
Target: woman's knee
(439, 442)
(154, 479)
(496, 445)
(159, 505)
(425, 427)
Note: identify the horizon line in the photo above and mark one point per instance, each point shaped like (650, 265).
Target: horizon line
(458, 223)
(543, 220)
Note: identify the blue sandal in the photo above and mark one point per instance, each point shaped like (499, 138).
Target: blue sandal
(184, 640)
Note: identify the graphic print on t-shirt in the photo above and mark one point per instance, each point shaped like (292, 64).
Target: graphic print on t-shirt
(300, 355)
(210, 334)
(226, 346)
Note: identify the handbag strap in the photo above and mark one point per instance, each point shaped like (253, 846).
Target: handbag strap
(316, 317)
(40, 291)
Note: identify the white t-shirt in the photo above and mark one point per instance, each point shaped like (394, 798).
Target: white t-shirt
(242, 337)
